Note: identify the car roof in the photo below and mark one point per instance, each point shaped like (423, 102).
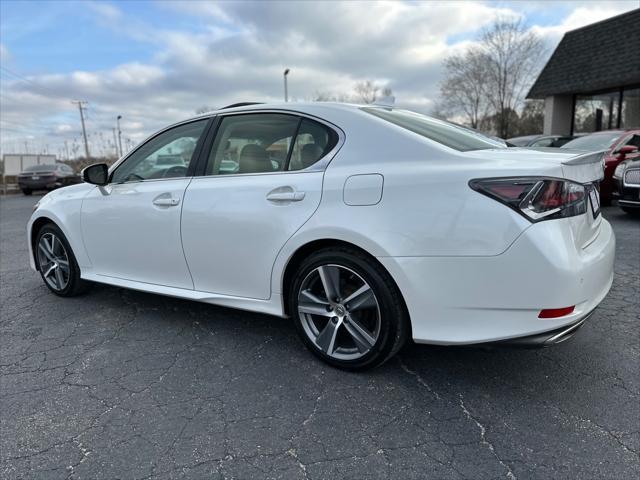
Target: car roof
(302, 107)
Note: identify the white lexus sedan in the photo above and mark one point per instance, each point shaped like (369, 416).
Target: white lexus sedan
(366, 225)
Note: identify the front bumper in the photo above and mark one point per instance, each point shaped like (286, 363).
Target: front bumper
(45, 183)
(627, 195)
(467, 300)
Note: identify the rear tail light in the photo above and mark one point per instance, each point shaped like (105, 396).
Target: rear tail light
(556, 312)
(537, 198)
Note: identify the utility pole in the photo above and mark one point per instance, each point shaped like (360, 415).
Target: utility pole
(286, 92)
(119, 134)
(66, 148)
(81, 106)
(115, 142)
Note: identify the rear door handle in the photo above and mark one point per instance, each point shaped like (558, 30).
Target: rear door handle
(166, 200)
(285, 194)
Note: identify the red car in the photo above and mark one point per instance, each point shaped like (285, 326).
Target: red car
(620, 145)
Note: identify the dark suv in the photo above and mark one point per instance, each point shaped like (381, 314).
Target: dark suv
(626, 179)
(619, 144)
(46, 177)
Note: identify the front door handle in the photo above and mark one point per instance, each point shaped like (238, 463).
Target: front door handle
(166, 200)
(285, 194)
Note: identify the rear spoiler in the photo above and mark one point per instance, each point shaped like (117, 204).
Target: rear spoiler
(585, 167)
(585, 158)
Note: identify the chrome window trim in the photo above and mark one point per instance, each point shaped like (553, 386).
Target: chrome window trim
(319, 166)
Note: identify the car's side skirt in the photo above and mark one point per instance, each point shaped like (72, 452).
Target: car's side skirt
(272, 306)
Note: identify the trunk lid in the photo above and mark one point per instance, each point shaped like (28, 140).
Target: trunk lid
(583, 167)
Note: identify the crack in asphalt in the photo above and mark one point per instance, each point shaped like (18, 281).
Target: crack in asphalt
(483, 438)
(125, 384)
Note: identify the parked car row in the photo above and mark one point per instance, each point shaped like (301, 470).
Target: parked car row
(46, 177)
(540, 140)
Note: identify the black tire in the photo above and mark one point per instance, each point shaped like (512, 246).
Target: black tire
(75, 285)
(26, 191)
(393, 327)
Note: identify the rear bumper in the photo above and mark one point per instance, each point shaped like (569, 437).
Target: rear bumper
(546, 339)
(467, 300)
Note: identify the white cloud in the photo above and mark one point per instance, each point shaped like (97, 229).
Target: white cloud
(580, 17)
(5, 56)
(239, 50)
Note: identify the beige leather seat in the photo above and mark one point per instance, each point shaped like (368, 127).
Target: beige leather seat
(254, 159)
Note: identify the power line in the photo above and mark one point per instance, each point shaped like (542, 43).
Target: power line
(81, 106)
(31, 82)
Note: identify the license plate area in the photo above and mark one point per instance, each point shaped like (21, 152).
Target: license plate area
(594, 200)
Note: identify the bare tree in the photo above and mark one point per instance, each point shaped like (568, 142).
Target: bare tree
(364, 92)
(490, 80)
(324, 96)
(513, 56)
(203, 109)
(463, 90)
(368, 91)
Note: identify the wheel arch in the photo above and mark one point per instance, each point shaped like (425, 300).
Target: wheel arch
(36, 226)
(306, 249)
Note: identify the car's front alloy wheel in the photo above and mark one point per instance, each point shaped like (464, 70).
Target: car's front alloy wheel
(56, 262)
(347, 309)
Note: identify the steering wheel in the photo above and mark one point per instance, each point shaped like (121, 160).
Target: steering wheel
(177, 171)
(133, 176)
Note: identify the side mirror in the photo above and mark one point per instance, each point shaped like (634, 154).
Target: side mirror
(96, 174)
(626, 150)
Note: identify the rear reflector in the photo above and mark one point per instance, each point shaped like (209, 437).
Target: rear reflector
(555, 312)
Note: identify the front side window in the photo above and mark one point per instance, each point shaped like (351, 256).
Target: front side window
(453, 136)
(634, 141)
(164, 156)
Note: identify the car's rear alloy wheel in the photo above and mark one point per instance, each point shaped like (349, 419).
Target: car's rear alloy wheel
(54, 261)
(57, 264)
(339, 312)
(347, 309)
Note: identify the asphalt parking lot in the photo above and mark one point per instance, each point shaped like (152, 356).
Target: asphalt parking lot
(123, 384)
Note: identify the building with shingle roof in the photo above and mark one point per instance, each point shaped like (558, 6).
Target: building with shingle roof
(592, 80)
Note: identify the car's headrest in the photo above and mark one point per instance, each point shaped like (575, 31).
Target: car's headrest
(254, 158)
(310, 154)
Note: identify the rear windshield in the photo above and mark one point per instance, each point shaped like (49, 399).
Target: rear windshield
(598, 141)
(448, 134)
(40, 168)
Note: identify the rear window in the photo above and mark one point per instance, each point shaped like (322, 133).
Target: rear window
(448, 134)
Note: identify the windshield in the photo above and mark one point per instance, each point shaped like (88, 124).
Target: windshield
(453, 136)
(599, 141)
(40, 168)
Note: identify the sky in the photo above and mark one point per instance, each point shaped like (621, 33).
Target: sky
(157, 62)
